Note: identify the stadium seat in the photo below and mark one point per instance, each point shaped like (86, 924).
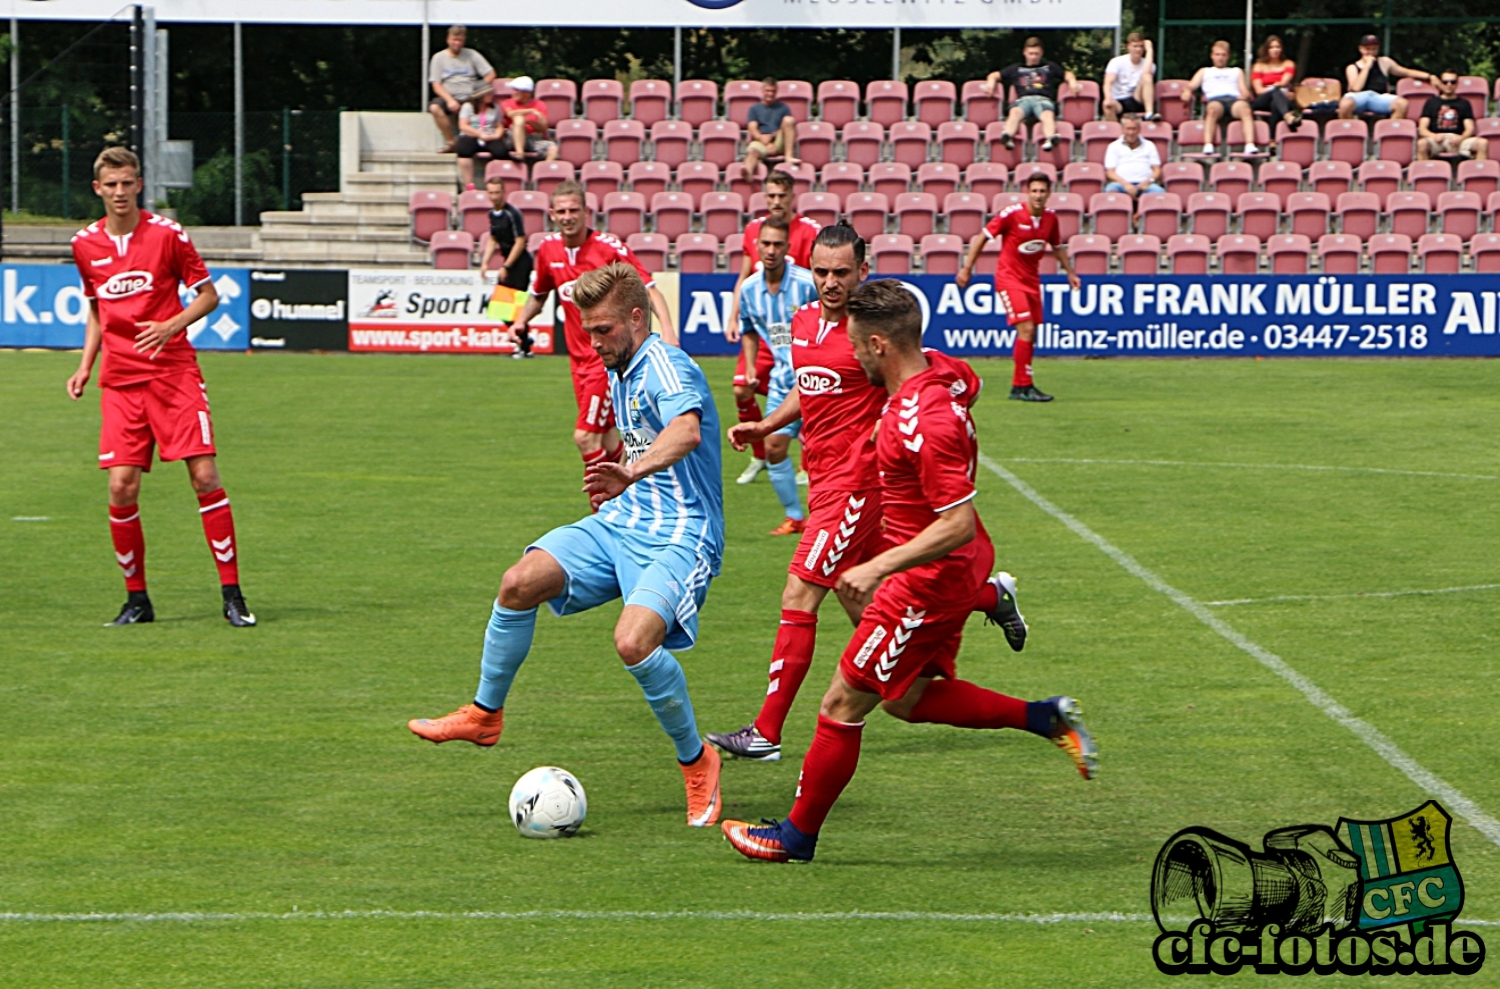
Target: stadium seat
(803, 175)
(838, 102)
(670, 141)
(1208, 214)
(575, 141)
(890, 178)
(624, 213)
(1479, 177)
(1390, 254)
(1297, 147)
(756, 206)
(1232, 178)
(474, 213)
(430, 211)
(650, 250)
(533, 208)
(737, 181)
(1159, 133)
(942, 254)
(1458, 214)
(719, 141)
(958, 142)
(1140, 254)
(1069, 209)
(1181, 178)
(1289, 254)
(1332, 178)
(986, 178)
(1024, 171)
(1339, 254)
(1396, 140)
(1084, 178)
(1440, 254)
(1239, 254)
(1476, 90)
(938, 178)
(1309, 212)
(892, 252)
(909, 141)
(557, 97)
(1081, 105)
(979, 109)
(1188, 254)
(1169, 101)
(863, 142)
(601, 100)
(600, 177)
(1485, 250)
(697, 254)
(1062, 145)
(721, 213)
(1260, 214)
(1234, 135)
(451, 249)
(672, 214)
(885, 102)
(1191, 136)
(916, 214)
(1416, 90)
(534, 240)
(650, 101)
(842, 178)
(1358, 214)
(697, 179)
(998, 153)
(1089, 253)
(1409, 212)
(798, 95)
(934, 100)
(866, 212)
(815, 142)
(697, 101)
(623, 141)
(1097, 135)
(1161, 214)
(1112, 214)
(1345, 140)
(1431, 177)
(989, 256)
(965, 212)
(821, 207)
(648, 178)
(1489, 128)
(739, 96)
(734, 254)
(548, 175)
(1005, 200)
(512, 172)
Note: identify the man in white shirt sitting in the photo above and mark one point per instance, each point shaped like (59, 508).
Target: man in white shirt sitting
(1132, 166)
(1130, 81)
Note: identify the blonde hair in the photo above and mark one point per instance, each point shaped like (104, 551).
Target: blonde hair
(616, 282)
(116, 157)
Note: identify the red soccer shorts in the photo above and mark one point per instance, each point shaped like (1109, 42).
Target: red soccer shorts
(1022, 303)
(765, 362)
(591, 389)
(843, 531)
(170, 413)
(897, 642)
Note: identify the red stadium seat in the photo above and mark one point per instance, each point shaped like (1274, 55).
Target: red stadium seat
(1182, 178)
(1479, 177)
(958, 142)
(1188, 254)
(697, 101)
(1140, 254)
(623, 140)
(815, 142)
(1208, 214)
(648, 178)
(965, 212)
(430, 212)
(1415, 90)
(1476, 90)
(797, 94)
(934, 100)
(986, 178)
(1232, 178)
(697, 179)
(1112, 213)
(1485, 250)
(672, 213)
(721, 214)
(1234, 135)
(650, 249)
(1062, 145)
(1004, 200)
(1332, 178)
(670, 141)
(1191, 134)
(737, 181)
(1082, 105)
(1441, 254)
(739, 96)
(916, 214)
(1489, 128)
(1309, 212)
(548, 175)
(942, 254)
(838, 102)
(756, 204)
(557, 97)
(867, 212)
(1339, 254)
(512, 172)
(1239, 254)
(1260, 214)
(979, 109)
(909, 141)
(1084, 178)
(1026, 170)
(863, 142)
(892, 253)
(1169, 101)
(885, 102)
(1390, 254)
(1409, 212)
(1161, 214)
(1458, 214)
(939, 178)
(734, 254)
(1096, 136)
(601, 100)
(1396, 140)
(1297, 147)
(842, 178)
(1089, 254)
(1431, 177)
(989, 256)
(998, 152)
(697, 254)
(452, 249)
(803, 175)
(534, 240)
(575, 140)
(1289, 254)
(1345, 140)
(1491, 208)
(821, 207)
(474, 213)
(890, 178)
(624, 213)
(650, 101)
(1159, 133)
(719, 141)
(533, 208)
(1359, 214)
(1069, 209)
(600, 177)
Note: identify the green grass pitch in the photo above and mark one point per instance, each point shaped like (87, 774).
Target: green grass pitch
(191, 768)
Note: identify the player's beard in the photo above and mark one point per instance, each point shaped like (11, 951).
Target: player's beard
(619, 360)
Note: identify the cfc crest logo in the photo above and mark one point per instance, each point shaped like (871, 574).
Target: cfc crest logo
(124, 284)
(819, 381)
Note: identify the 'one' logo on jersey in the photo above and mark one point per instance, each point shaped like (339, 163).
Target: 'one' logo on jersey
(815, 380)
(125, 284)
(1033, 247)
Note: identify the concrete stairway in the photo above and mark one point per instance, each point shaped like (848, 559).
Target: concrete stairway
(44, 244)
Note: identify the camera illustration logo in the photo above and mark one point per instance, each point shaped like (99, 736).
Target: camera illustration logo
(1377, 897)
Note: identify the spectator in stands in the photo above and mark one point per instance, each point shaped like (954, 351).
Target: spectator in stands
(772, 130)
(1224, 90)
(1036, 83)
(480, 128)
(1132, 166)
(526, 124)
(457, 74)
(508, 239)
(1271, 79)
(1371, 83)
(1446, 127)
(1130, 80)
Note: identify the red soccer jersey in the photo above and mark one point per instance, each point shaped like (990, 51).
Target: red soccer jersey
(928, 455)
(134, 279)
(802, 234)
(1023, 240)
(558, 267)
(839, 405)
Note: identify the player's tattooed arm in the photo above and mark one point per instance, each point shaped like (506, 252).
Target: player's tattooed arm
(949, 531)
(742, 434)
(603, 481)
(153, 335)
(93, 336)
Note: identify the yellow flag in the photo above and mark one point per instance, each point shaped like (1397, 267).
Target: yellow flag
(506, 303)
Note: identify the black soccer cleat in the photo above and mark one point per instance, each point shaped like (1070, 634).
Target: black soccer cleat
(236, 612)
(746, 743)
(1006, 614)
(1028, 393)
(137, 611)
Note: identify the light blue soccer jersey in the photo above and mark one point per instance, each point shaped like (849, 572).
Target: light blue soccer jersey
(682, 505)
(769, 316)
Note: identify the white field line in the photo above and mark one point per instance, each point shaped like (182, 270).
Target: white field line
(1425, 780)
(1362, 594)
(1229, 466)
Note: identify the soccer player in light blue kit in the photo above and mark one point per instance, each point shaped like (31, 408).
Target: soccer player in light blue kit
(768, 298)
(656, 540)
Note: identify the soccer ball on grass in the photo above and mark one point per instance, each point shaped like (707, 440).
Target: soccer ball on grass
(548, 802)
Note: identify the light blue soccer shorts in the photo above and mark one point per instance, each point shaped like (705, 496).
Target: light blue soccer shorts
(604, 562)
(776, 393)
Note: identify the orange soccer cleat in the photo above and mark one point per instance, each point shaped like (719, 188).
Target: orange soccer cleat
(1069, 734)
(769, 841)
(470, 723)
(702, 779)
(790, 527)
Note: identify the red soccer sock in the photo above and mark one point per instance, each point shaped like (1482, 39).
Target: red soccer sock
(967, 705)
(826, 770)
(749, 411)
(989, 598)
(130, 544)
(1021, 355)
(790, 659)
(218, 526)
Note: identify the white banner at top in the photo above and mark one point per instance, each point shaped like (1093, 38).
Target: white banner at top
(1017, 14)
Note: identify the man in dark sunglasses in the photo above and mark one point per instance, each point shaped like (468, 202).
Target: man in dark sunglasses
(1446, 128)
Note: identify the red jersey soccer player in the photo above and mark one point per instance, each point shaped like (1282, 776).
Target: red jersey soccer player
(902, 654)
(560, 259)
(1024, 233)
(778, 189)
(839, 408)
(152, 393)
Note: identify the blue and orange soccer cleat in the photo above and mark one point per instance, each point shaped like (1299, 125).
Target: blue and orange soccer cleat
(770, 841)
(1069, 734)
(470, 723)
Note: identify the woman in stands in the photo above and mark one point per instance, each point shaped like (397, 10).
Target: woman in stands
(480, 128)
(1271, 80)
(1224, 92)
